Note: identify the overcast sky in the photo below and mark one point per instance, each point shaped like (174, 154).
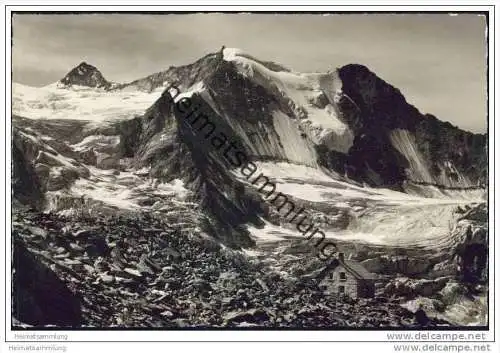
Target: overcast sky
(438, 61)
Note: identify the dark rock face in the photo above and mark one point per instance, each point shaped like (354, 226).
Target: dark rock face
(373, 159)
(25, 182)
(381, 106)
(86, 75)
(189, 155)
(474, 259)
(374, 109)
(39, 296)
(439, 141)
(471, 253)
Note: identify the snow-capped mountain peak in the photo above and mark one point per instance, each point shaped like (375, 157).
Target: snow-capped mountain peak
(363, 166)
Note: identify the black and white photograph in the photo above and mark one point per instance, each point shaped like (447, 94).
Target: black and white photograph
(245, 170)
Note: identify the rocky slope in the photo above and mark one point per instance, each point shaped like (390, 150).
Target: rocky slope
(138, 271)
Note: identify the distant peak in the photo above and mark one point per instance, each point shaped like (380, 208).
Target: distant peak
(84, 64)
(85, 75)
(232, 54)
(356, 69)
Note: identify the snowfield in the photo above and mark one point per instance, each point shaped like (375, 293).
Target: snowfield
(302, 89)
(79, 103)
(381, 217)
(126, 190)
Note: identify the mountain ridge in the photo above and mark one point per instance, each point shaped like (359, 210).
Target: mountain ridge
(383, 131)
(118, 185)
(349, 121)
